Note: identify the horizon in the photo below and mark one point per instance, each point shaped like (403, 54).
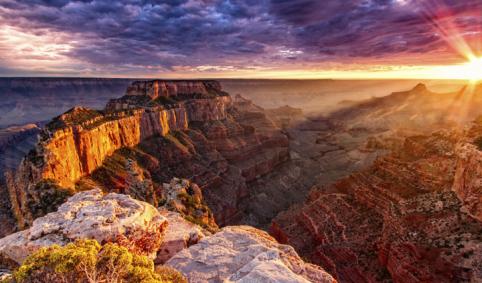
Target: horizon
(468, 81)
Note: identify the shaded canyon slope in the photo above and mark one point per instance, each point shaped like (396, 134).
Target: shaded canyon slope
(415, 214)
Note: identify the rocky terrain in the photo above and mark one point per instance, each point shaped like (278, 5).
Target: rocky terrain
(413, 216)
(237, 254)
(385, 189)
(91, 215)
(159, 129)
(326, 148)
(15, 143)
(244, 254)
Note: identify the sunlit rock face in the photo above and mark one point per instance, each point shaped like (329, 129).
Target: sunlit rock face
(159, 129)
(81, 147)
(244, 254)
(411, 217)
(223, 157)
(91, 215)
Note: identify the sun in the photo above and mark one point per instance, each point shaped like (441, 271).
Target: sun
(473, 69)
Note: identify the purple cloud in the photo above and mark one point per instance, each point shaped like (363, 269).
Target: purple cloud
(192, 33)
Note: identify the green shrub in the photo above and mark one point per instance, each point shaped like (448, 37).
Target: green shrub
(88, 261)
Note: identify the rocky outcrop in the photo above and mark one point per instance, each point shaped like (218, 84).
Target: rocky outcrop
(237, 253)
(180, 235)
(77, 143)
(400, 219)
(244, 254)
(186, 198)
(468, 178)
(92, 215)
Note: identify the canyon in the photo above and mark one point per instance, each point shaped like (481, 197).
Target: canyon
(195, 128)
(379, 190)
(414, 214)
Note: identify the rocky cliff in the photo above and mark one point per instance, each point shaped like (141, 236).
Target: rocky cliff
(236, 253)
(413, 216)
(192, 126)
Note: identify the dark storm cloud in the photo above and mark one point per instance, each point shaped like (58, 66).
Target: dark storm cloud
(209, 32)
(371, 28)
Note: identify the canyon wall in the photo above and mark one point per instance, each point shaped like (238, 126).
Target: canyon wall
(159, 129)
(413, 216)
(75, 151)
(77, 142)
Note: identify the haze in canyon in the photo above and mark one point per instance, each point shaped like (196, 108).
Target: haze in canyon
(241, 141)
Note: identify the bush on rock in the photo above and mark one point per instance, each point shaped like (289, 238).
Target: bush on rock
(88, 261)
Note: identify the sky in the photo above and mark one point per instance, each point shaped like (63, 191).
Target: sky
(241, 39)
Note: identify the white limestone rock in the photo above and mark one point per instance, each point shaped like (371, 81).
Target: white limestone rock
(92, 215)
(244, 254)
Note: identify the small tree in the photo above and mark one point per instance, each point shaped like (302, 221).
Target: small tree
(85, 261)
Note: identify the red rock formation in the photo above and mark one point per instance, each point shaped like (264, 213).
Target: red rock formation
(222, 156)
(160, 129)
(468, 176)
(401, 214)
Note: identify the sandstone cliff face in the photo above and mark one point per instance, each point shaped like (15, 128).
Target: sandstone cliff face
(156, 131)
(222, 156)
(15, 143)
(66, 154)
(398, 220)
(75, 151)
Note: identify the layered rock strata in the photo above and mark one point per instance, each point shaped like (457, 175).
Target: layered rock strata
(194, 127)
(224, 157)
(411, 217)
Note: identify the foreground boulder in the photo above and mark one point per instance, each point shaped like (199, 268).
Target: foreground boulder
(180, 234)
(106, 218)
(244, 254)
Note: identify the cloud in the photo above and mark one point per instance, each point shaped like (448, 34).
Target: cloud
(104, 34)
